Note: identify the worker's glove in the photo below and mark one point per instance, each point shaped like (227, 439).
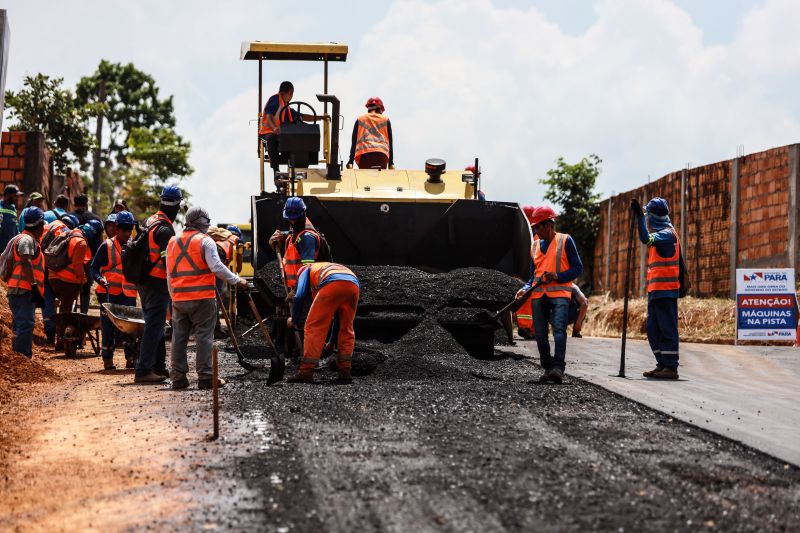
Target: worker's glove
(242, 284)
(636, 208)
(103, 282)
(276, 240)
(349, 165)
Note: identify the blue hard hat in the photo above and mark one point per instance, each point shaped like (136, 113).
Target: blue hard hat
(294, 208)
(125, 217)
(96, 225)
(657, 206)
(111, 218)
(70, 220)
(171, 195)
(235, 230)
(33, 216)
(87, 230)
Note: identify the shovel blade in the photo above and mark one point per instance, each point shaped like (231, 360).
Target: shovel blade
(277, 368)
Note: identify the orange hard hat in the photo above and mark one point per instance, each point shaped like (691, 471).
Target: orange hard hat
(543, 213)
(529, 210)
(375, 102)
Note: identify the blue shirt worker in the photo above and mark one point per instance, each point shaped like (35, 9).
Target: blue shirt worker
(8, 215)
(113, 288)
(300, 243)
(35, 199)
(556, 264)
(663, 285)
(25, 278)
(333, 291)
(60, 207)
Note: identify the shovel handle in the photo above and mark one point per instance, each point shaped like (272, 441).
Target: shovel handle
(516, 303)
(260, 324)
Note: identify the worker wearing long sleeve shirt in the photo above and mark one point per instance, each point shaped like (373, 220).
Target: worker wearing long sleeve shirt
(333, 291)
(663, 285)
(556, 265)
(193, 265)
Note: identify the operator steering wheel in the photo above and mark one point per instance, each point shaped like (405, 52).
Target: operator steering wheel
(299, 114)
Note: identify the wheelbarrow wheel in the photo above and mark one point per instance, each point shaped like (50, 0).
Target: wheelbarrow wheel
(71, 348)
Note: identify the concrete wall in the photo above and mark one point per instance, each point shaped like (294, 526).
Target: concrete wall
(737, 213)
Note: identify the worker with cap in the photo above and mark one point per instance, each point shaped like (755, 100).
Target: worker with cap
(333, 290)
(556, 264)
(35, 199)
(270, 123)
(8, 214)
(113, 288)
(663, 284)
(25, 280)
(60, 206)
(153, 290)
(372, 145)
(524, 314)
(301, 243)
(193, 264)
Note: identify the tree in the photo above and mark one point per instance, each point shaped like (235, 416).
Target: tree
(571, 187)
(44, 105)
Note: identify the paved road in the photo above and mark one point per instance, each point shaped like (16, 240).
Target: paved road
(747, 393)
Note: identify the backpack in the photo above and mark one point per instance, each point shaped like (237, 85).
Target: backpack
(48, 237)
(7, 261)
(56, 253)
(136, 265)
(683, 277)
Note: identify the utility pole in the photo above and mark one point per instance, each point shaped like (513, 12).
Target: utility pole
(101, 98)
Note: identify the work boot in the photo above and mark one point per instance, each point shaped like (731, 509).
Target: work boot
(162, 372)
(108, 364)
(130, 363)
(205, 384)
(556, 375)
(665, 373)
(525, 334)
(545, 377)
(651, 373)
(301, 378)
(181, 383)
(150, 377)
(577, 334)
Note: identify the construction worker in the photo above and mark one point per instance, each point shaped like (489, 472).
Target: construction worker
(193, 264)
(66, 283)
(110, 225)
(35, 199)
(525, 313)
(94, 238)
(60, 206)
(556, 264)
(270, 125)
(153, 291)
(333, 289)
(82, 209)
(372, 145)
(113, 288)
(300, 243)
(578, 306)
(8, 214)
(663, 285)
(26, 282)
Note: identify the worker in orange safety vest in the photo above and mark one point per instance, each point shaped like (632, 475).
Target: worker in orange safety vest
(556, 264)
(524, 314)
(372, 145)
(301, 243)
(333, 290)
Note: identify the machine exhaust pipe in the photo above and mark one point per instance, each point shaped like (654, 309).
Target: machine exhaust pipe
(334, 170)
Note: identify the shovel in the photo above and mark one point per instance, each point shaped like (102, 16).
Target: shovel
(277, 361)
(232, 335)
(297, 338)
(491, 319)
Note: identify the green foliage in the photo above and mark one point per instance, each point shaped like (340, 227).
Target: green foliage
(571, 187)
(44, 105)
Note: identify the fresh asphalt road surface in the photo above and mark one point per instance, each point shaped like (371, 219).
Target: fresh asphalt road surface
(747, 393)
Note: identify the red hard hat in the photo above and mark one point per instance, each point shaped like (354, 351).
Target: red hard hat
(470, 168)
(543, 213)
(529, 210)
(375, 102)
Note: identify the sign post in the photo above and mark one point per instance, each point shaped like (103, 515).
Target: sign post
(766, 305)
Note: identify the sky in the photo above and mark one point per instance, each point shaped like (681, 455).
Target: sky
(648, 85)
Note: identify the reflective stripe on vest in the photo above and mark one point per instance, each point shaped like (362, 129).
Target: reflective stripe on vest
(112, 272)
(157, 256)
(285, 117)
(17, 279)
(190, 277)
(663, 273)
(554, 260)
(292, 261)
(372, 135)
(319, 272)
(66, 274)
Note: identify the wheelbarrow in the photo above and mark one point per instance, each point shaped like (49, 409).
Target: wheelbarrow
(76, 327)
(128, 320)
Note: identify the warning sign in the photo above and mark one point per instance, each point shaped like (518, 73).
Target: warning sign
(766, 306)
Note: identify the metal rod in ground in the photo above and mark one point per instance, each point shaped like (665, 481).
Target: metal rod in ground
(625, 299)
(215, 389)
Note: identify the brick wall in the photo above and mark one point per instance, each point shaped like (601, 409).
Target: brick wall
(12, 158)
(737, 213)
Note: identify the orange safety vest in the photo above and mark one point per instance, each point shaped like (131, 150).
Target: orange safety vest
(525, 313)
(67, 275)
(291, 257)
(318, 272)
(372, 135)
(56, 227)
(17, 279)
(285, 117)
(112, 271)
(555, 260)
(228, 248)
(157, 255)
(663, 273)
(190, 277)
